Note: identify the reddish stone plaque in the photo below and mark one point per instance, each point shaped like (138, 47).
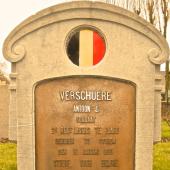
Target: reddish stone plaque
(85, 123)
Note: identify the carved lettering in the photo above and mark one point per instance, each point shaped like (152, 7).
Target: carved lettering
(81, 130)
(69, 95)
(109, 163)
(112, 130)
(86, 119)
(70, 130)
(98, 130)
(81, 109)
(62, 152)
(64, 141)
(85, 163)
(62, 163)
(91, 152)
(107, 141)
(54, 130)
(65, 130)
(97, 109)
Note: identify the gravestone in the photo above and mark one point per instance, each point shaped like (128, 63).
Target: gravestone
(87, 85)
(4, 106)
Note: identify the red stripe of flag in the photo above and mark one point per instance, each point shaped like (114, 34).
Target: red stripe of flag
(98, 48)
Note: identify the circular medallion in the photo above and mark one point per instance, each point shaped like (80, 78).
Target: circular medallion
(86, 47)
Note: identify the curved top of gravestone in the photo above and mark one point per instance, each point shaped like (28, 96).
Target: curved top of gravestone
(14, 52)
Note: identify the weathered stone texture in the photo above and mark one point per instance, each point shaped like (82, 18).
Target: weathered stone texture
(4, 109)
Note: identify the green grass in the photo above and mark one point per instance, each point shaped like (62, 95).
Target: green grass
(162, 151)
(162, 156)
(165, 130)
(8, 156)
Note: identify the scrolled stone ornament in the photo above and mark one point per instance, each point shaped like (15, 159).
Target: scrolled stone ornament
(155, 56)
(15, 53)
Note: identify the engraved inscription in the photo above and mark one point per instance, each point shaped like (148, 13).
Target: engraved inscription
(107, 141)
(109, 163)
(87, 141)
(81, 109)
(85, 123)
(64, 141)
(85, 163)
(62, 163)
(85, 95)
(86, 119)
(62, 152)
(91, 152)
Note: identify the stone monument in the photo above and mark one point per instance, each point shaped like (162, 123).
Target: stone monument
(86, 88)
(4, 106)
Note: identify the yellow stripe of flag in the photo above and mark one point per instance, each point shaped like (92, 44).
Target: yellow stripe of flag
(86, 48)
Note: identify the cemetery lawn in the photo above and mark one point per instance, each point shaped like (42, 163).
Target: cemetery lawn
(162, 150)
(8, 156)
(165, 129)
(162, 156)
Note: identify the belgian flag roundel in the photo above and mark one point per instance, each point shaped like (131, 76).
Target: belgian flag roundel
(86, 48)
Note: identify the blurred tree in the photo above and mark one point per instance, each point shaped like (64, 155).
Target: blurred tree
(156, 12)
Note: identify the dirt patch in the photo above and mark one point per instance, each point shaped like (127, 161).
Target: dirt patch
(164, 140)
(6, 140)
